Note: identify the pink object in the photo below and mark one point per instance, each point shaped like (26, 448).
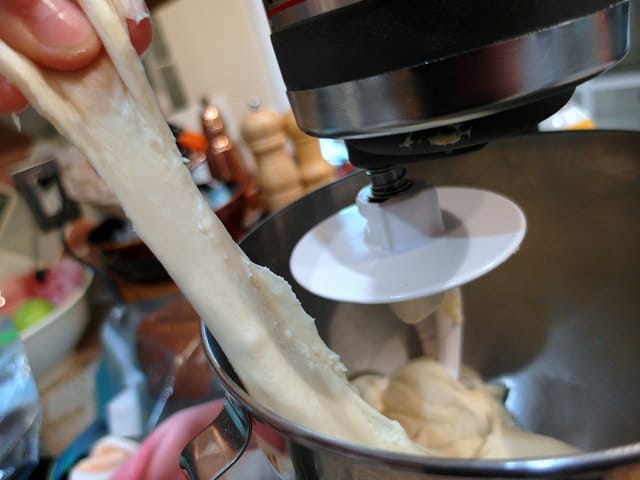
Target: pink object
(61, 280)
(158, 457)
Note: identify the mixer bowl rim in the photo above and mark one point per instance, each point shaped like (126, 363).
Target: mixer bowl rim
(600, 460)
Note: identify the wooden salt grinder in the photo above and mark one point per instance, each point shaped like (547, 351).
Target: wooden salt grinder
(315, 170)
(277, 174)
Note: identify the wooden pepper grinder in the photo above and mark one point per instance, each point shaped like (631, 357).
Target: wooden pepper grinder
(315, 170)
(226, 164)
(277, 175)
(223, 159)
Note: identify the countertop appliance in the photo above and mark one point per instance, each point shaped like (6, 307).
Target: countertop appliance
(424, 93)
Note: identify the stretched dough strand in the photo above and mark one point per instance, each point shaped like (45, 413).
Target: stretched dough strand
(109, 112)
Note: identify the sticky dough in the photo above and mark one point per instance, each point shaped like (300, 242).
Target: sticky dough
(461, 419)
(109, 112)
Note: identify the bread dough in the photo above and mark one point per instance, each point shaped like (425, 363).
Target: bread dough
(109, 111)
(462, 419)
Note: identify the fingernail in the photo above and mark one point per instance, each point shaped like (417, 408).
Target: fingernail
(59, 24)
(135, 10)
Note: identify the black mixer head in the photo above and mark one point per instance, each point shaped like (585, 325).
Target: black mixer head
(357, 69)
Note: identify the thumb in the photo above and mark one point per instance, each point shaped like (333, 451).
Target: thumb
(54, 33)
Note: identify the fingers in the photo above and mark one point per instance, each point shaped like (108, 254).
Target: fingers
(54, 33)
(137, 15)
(57, 35)
(140, 33)
(11, 100)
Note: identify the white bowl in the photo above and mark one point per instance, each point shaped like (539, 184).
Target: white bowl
(49, 341)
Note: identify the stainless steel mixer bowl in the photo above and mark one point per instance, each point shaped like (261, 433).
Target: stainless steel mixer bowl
(558, 323)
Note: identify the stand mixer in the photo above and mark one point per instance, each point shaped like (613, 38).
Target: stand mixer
(419, 87)
(415, 80)
(440, 83)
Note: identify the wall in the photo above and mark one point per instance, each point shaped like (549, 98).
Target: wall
(221, 48)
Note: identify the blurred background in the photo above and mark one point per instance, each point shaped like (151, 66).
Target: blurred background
(217, 82)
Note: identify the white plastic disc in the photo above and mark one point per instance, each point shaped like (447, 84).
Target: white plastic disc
(482, 230)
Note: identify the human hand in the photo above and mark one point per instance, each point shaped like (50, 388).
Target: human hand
(57, 35)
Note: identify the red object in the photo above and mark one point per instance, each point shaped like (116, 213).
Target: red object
(282, 7)
(193, 141)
